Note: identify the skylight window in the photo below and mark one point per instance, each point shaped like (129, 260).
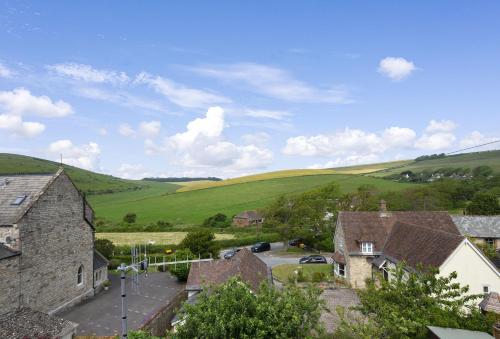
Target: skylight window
(19, 200)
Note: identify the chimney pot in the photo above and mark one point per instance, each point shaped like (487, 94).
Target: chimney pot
(383, 206)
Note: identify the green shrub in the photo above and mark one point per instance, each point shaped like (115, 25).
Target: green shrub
(300, 276)
(181, 271)
(105, 247)
(318, 276)
(130, 218)
(114, 264)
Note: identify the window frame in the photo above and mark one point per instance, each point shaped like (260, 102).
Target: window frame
(79, 276)
(486, 289)
(19, 200)
(369, 245)
(490, 241)
(338, 270)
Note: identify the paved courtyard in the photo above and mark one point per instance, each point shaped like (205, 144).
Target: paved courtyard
(101, 315)
(337, 297)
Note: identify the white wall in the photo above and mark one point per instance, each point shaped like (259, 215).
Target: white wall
(472, 269)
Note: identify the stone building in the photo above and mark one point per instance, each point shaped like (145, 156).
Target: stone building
(248, 218)
(47, 254)
(481, 229)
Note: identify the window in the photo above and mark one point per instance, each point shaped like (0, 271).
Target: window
(341, 270)
(79, 276)
(366, 247)
(19, 200)
(98, 275)
(486, 289)
(490, 241)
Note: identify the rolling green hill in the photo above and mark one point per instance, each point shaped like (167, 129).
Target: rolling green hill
(87, 181)
(194, 206)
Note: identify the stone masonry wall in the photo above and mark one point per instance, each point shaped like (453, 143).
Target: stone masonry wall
(360, 269)
(55, 241)
(9, 284)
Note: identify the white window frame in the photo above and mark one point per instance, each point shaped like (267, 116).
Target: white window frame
(367, 247)
(337, 270)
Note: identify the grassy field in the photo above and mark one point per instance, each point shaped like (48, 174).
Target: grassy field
(171, 238)
(193, 207)
(86, 181)
(466, 160)
(283, 272)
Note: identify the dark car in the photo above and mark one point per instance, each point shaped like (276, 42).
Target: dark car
(261, 247)
(313, 259)
(296, 242)
(229, 254)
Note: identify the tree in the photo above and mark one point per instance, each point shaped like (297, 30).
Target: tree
(105, 247)
(181, 271)
(233, 311)
(405, 305)
(483, 204)
(130, 218)
(217, 220)
(202, 243)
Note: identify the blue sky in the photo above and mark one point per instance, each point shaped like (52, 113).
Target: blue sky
(227, 88)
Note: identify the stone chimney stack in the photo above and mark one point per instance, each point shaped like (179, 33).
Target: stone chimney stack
(383, 209)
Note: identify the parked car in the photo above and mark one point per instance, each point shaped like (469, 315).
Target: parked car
(261, 247)
(313, 259)
(296, 242)
(229, 254)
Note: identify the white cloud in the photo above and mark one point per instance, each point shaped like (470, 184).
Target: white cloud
(476, 138)
(399, 136)
(89, 74)
(150, 128)
(21, 101)
(347, 161)
(84, 156)
(126, 130)
(103, 131)
(267, 114)
(17, 127)
(179, 94)
(203, 145)
(5, 72)
(438, 135)
(132, 171)
(396, 68)
(273, 82)
(121, 98)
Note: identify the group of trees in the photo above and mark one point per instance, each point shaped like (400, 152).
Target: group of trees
(218, 220)
(405, 305)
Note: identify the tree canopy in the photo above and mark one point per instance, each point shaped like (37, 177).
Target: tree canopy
(201, 242)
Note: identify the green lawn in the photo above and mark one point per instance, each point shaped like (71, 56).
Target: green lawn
(283, 272)
(193, 207)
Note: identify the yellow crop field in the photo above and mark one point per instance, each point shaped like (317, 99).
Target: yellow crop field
(151, 237)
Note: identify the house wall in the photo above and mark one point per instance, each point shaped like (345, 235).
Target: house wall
(483, 241)
(55, 241)
(472, 269)
(9, 284)
(359, 268)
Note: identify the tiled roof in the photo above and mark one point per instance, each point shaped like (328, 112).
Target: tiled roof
(491, 303)
(478, 226)
(99, 260)
(376, 226)
(6, 252)
(245, 264)
(416, 244)
(338, 257)
(28, 323)
(14, 186)
(250, 215)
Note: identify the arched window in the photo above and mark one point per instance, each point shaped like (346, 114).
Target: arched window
(79, 277)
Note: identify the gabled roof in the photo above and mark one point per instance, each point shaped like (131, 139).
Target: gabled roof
(13, 186)
(250, 215)
(99, 260)
(416, 244)
(491, 303)
(6, 252)
(478, 226)
(28, 323)
(245, 264)
(376, 226)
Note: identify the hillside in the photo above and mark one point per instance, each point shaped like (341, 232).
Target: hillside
(194, 206)
(87, 181)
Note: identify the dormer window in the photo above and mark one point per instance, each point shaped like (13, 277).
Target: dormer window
(367, 247)
(19, 200)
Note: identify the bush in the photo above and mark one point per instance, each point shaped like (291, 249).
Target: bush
(181, 271)
(218, 220)
(105, 247)
(201, 243)
(318, 276)
(130, 218)
(114, 264)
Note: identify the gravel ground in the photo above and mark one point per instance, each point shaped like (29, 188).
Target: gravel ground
(341, 296)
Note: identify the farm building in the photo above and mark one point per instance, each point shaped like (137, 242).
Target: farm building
(248, 218)
(367, 242)
(481, 229)
(47, 257)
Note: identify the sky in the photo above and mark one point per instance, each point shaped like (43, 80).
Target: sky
(229, 88)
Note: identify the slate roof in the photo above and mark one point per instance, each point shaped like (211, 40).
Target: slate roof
(99, 260)
(6, 252)
(245, 264)
(478, 226)
(28, 323)
(14, 186)
(416, 244)
(491, 303)
(250, 215)
(376, 226)
(457, 333)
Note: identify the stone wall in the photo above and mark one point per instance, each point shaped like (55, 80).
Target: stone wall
(159, 323)
(55, 241)
(9, 278)
(360, 269)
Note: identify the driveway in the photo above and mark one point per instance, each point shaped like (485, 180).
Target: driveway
(345, 297)
(101, 315)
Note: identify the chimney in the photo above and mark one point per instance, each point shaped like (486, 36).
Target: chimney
(383, 209)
